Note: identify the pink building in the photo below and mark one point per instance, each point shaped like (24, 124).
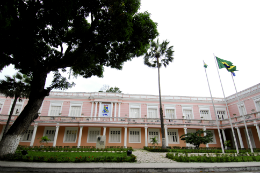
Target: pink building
(130, 120)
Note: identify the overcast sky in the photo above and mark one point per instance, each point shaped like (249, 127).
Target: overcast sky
(198, 29)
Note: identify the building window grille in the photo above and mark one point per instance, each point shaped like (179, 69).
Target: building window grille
(115, 136)
(55, 110)
(27, 135)
(170, 113)
(75, 111)
(70, 135)
(152, 113)
(172, 136)
(135, 136)
(50, 133)
(152, 134)
(92, 137)
(187, 113)
(221, 115)
(204, 114)
(134, 112)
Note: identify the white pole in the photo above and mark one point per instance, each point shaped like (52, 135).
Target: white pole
(223, 151)
(227, 107)
(239, 105)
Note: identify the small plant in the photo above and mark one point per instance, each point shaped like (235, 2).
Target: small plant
(154, 141)
(227, 143)
(44, 139)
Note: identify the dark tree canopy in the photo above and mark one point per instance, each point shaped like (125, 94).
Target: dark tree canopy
(43, 36)
(196, 138)
(113, 90)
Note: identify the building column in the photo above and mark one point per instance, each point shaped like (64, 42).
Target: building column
(240, 138)
(119, 110)
(166, 135)
(56, 134)
(224, 136)
(80, 135)
(125, 138)
(34, 133)
(111, 111)
(204, 128)
(258, 131)
(115, 112)
(100, 110)
(91, 114)
(95, 111)
(104, 131)
(185, 132)
(146, 137)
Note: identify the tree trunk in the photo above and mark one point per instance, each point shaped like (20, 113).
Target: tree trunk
(161, 111)
(10, 141)
(10, 115)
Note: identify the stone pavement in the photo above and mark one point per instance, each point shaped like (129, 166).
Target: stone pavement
(143, 156)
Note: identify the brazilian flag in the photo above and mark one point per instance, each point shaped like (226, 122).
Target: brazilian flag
(226, 64)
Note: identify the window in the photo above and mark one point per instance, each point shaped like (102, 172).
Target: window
(205, 114)
(187, 114)
(153, 133)
(257, 105)
(214, 138)
(170, 113)
(152, 111)
(173, 136)
(55, 108)
(17, 108)
(134, 135)
(242, 109)
(135, 111)
(70, 134)
(92, 134)
(1, 106)
(115, 135)
(50, 133)
(75, 110)
(27, 137)
(221, 114)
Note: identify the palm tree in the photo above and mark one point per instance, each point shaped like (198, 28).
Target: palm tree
(17, 87)
(159, 51)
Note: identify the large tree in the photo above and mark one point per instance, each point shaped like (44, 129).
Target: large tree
(43, 36)
(159, 54)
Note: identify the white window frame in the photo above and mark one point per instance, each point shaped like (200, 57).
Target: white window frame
(17, 103)
(2, 101)
(185, 107)
(55, 103)
(177, 136)
(154, 130)
(115, 129)
(239, 108)
(135, 129)
(221, 109)
(257, 99)
(30, 128)
(170, 107)
(49, 128)
(93, 129)
(76, 104)
(205, 108)
(214, 137)
(70, 128)
(134, 106)
(153, 106)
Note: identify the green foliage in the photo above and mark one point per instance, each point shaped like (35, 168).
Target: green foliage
(44, 139)
(227, 143)
(196, 139)
(154, 141)
(113, 90)
(158, 50)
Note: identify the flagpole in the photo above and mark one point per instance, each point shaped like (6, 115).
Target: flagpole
(223, 151)
(239, 105)
(227, 107)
